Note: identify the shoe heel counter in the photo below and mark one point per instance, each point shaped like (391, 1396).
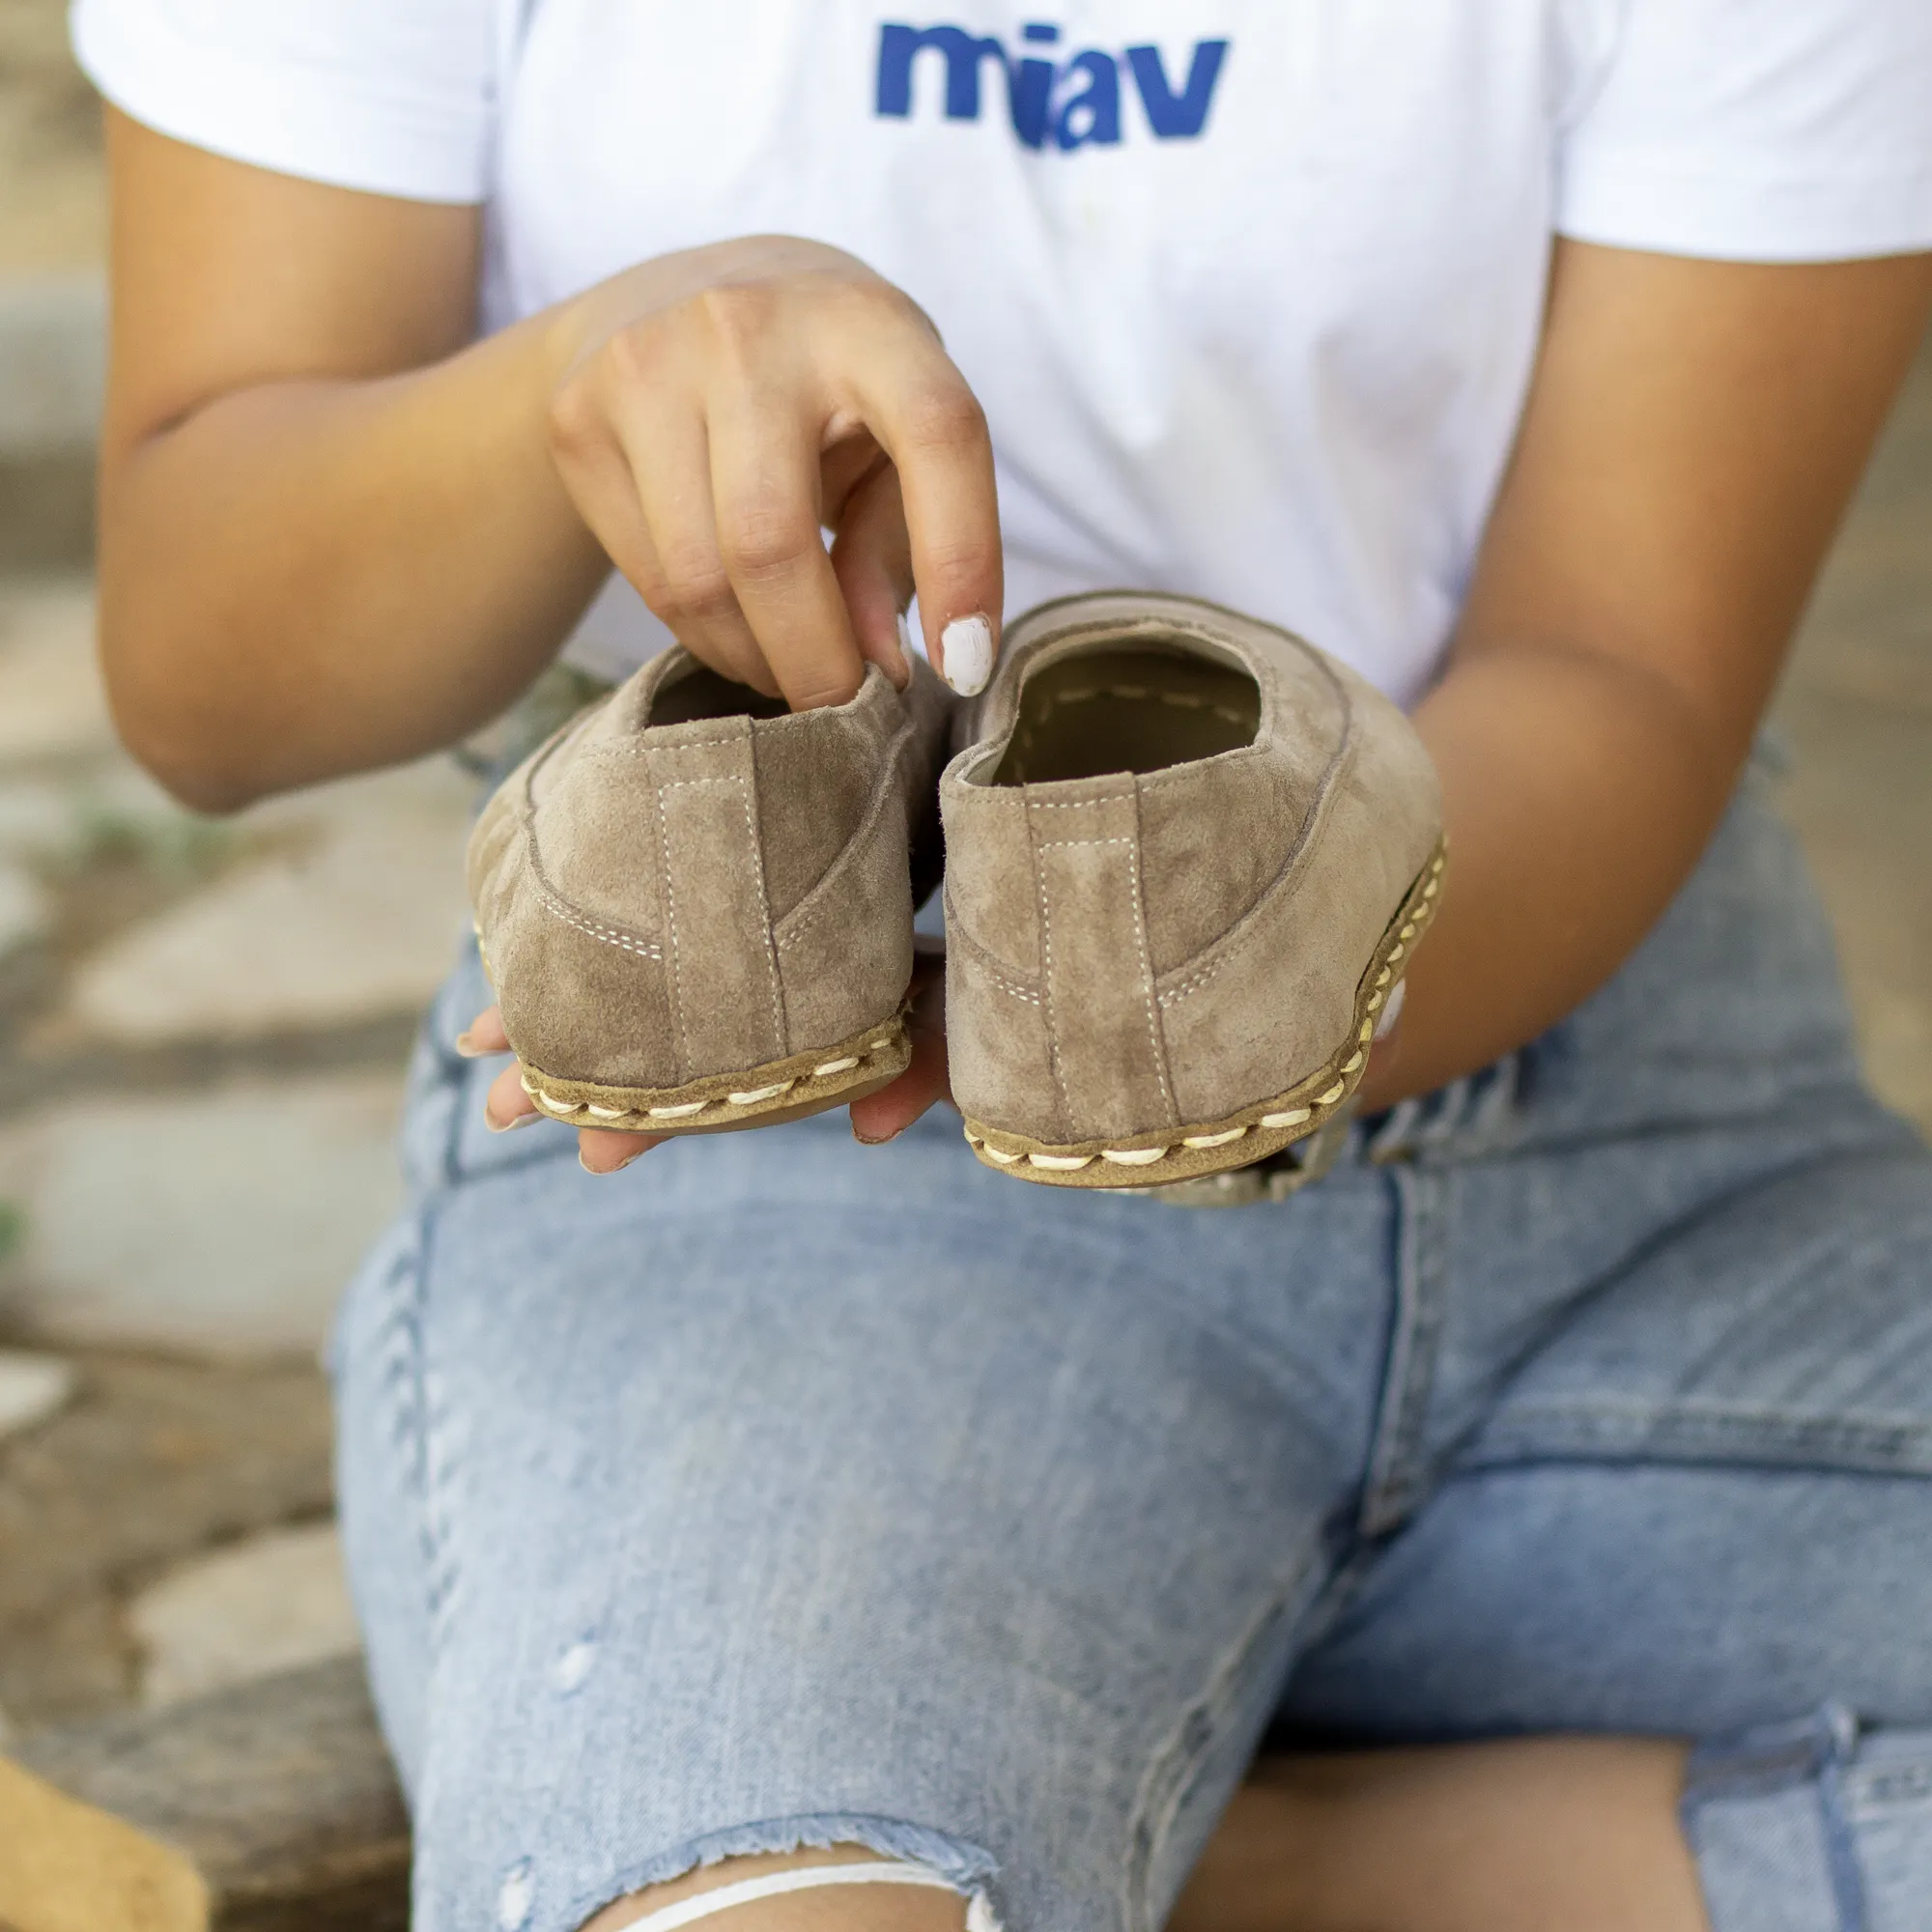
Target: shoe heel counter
(625, 920)
(582, 998)
(1103, 1017)
(844, 952)
(1059, 1033)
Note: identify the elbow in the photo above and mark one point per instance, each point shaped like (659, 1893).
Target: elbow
(199, 787)
(199, 758)
(188, 774)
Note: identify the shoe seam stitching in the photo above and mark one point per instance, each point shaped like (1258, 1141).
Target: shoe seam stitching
(799, 919)
(982, 957)
(1288, 880)
(1149, 997)
(1053, 1066)
(637, 749)
(559, 907)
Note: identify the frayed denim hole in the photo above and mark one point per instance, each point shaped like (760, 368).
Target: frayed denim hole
(968, 1867)
(572, 1667)
(515, 1898)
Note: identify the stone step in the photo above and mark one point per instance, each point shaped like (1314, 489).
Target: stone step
(280, 1794)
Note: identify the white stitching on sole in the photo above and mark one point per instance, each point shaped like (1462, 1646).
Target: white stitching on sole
(756, 1096)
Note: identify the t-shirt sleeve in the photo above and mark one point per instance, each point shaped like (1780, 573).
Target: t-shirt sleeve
(1771, 130)
(392, 97)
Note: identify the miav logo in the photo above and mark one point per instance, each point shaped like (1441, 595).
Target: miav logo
(1070, 102)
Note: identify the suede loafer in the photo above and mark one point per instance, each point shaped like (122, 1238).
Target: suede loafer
(697, 906)
(1188, 859)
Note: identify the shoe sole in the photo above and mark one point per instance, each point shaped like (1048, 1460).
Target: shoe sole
(762, 1096)
(1256, 1132)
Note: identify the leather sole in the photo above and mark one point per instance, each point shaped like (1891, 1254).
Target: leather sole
(1254, 1133)
(762, 1096)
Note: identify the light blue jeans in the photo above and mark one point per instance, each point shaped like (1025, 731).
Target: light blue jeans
(781, 1491)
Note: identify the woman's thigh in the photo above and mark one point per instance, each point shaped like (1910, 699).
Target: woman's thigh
(781, 1492)
(1702, 1510)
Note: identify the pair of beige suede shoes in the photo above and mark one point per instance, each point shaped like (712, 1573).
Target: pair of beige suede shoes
(1187, 858)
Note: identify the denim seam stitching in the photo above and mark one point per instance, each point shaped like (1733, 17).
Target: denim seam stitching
(1393, 1482)
(1591, 1426)
(1172, 1765)
(1842, 1854)
(402, 1322)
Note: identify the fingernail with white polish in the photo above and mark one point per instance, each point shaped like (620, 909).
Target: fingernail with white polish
(1393, 1010)
(510, 1126)
(905, 677)
(967, 645)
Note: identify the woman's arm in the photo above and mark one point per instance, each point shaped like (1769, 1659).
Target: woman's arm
(330, 534)
(1693, 435)
(335, 532)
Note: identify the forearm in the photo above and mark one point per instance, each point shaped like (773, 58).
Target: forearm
(306, 577)
(1578, 795)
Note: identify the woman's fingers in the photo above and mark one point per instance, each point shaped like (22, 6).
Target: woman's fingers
(872, 559)
(883, 1116)
(668, 452)
(506, 1105)
(765, 458)
(919, 406)
(484, 1036)
(600, 1152)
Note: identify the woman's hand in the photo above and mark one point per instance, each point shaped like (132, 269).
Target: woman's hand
(878, 1118)
(724, 408)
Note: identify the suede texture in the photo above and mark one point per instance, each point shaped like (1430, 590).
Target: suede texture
(663, 904)
(1135, 952)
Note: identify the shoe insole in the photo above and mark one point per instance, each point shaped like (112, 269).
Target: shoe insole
(1140, 707)
(701, 693)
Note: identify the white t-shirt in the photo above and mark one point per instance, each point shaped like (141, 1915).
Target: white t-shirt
(1250, 288)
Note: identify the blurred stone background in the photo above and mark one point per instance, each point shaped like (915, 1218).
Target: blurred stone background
(202, 1032)
(203, 1025)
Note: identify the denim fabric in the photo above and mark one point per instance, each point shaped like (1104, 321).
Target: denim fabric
(785, 1491)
